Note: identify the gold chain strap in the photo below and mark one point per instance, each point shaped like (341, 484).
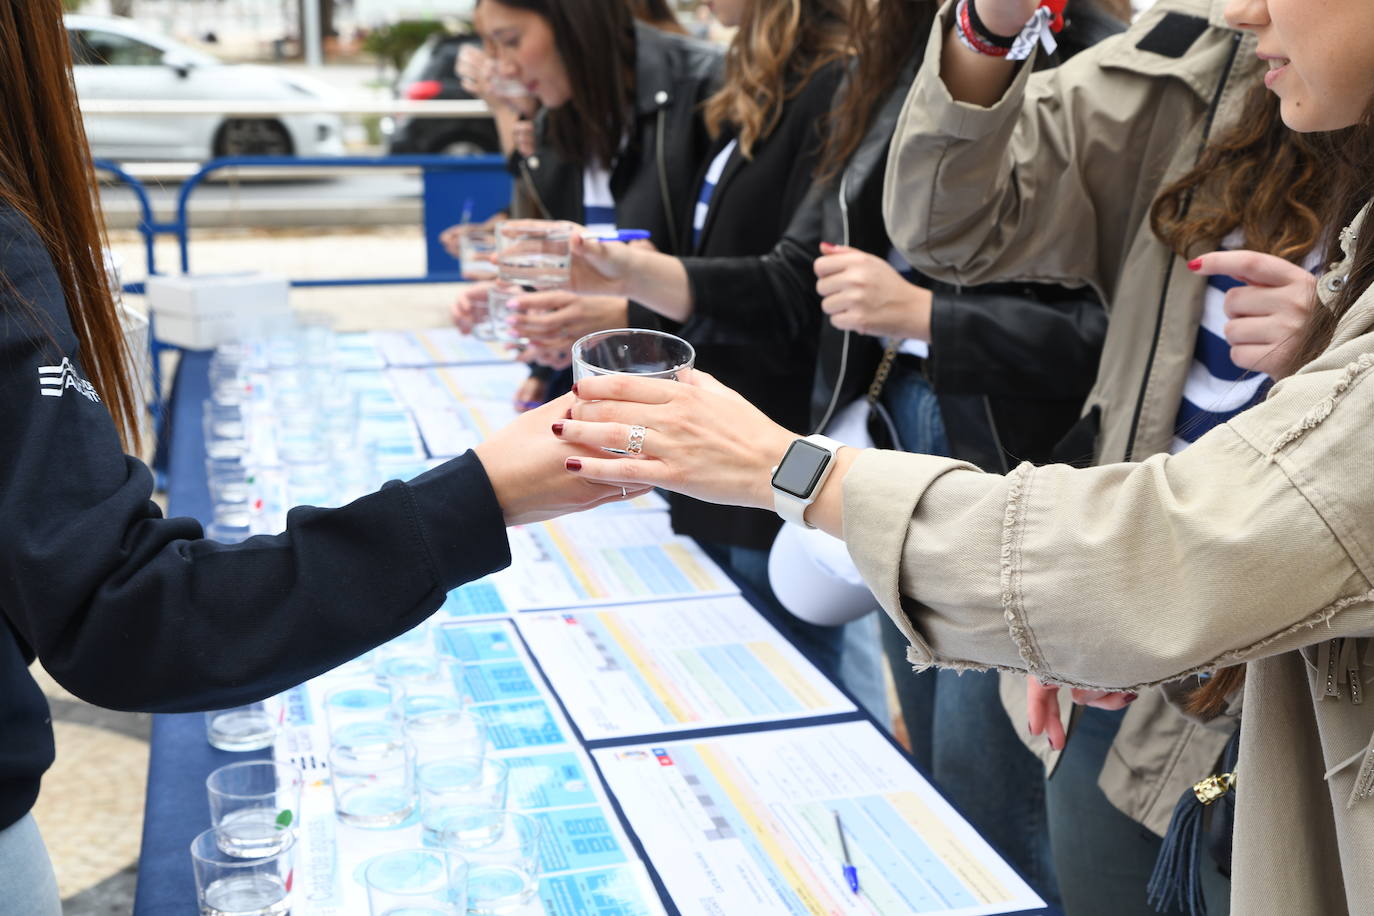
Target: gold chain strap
(884, 369)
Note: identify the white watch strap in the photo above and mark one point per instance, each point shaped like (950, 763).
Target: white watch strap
(793, 508)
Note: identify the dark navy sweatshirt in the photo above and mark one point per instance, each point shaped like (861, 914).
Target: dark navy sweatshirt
(134, 611)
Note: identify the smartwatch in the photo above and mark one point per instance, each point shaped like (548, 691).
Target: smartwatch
(798, 478)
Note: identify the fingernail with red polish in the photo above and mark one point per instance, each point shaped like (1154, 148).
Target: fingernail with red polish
(575, 389)
(558, 429)
(573, 464)
(568, 415)
(1195, 264)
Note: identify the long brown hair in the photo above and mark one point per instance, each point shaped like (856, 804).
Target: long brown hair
(1276, 186)
(46, 176)
(779, 46)
(1259, 177)
(885, 33)
(596, 41)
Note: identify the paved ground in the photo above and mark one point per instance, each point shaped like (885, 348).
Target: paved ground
(91, 808)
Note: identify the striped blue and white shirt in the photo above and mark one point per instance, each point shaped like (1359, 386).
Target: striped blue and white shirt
(598, 205)
(708, 190)
(1217, 389)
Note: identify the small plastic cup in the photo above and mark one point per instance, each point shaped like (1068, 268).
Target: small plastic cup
(250, 727)
(631, 351)
(230, 885)
(256, 804)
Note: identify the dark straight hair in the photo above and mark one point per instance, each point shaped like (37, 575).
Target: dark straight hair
(46, 176)
(596, 41)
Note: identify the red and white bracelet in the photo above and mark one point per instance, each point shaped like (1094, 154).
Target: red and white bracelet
(1047, 19)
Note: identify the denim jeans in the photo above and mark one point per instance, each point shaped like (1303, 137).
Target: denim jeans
(959, 732)
(27, 883)
(1103, 857)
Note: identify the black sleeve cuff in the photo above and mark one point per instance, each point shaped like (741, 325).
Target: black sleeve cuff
(461, 521)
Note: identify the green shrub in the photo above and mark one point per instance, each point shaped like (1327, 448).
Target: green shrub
(396, 43)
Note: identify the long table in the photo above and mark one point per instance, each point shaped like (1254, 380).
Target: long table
(176, 808)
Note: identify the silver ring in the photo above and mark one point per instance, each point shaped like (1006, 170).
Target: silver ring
(624, 494)
(636, 446)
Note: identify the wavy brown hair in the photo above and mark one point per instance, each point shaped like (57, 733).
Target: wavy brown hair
(1279, 188)
(1259, 177)
(779, 46)
(46, 176)
(885, 34)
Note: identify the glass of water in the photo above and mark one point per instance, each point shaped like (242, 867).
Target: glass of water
(502, 851)
(456, 784)
(631, 351)
(372, 776)
(256, 804)
(417, 882)
(230, 885)
(535, 254)
(477, 252)
(440, 734)
(250, 727)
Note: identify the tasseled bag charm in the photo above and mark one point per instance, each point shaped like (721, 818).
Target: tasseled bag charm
(1177, 878)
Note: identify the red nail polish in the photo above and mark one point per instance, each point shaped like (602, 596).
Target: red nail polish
(558, 429)
(573, 464)
(568, 415)
(1195, 264)
(575, 389)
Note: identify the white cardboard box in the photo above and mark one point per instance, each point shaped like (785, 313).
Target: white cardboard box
(201, 311)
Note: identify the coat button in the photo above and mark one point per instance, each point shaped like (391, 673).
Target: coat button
(533, 162)
(661, 97)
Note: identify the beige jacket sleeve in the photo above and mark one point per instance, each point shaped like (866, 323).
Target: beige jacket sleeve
(1046, 185)
(1254, 541)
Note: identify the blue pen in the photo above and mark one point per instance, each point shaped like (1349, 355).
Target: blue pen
(850, 874)
(622, 235)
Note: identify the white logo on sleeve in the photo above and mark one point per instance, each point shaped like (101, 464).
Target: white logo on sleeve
(53, 381)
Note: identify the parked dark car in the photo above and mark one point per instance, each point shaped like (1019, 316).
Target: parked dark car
(430, 75)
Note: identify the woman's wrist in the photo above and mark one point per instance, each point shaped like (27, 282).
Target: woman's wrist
(827, 512)
(920, 305)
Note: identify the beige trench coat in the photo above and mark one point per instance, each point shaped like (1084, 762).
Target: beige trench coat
(1055, 183)
(1254, 545)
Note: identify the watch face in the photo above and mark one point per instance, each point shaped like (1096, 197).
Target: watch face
(801, 467)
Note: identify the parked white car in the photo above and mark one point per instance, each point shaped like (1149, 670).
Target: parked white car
(117, 59)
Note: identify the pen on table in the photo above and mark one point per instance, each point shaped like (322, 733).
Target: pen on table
(620, 235)
(850, 874)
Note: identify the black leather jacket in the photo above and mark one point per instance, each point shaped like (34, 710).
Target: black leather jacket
(1010, 363)
(655, 175)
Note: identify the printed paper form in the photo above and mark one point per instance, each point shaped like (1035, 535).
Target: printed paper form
(661, 667)
(436, 346)
(586, 561)
(745, 823)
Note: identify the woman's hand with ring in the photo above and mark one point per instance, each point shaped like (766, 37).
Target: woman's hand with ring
(701, 438)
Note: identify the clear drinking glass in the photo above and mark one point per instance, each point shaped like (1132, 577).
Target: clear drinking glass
(229, 885)
(358, 705)
(372, 777)
(417, 882)
(631, 351)
(256, 804)
(535, 254)
(477, 252)
(499, 311)
(455, 785)
(502, 851)
(440, 734)
(250, 727)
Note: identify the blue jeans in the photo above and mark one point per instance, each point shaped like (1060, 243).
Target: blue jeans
(959, 732)
(27, 883)
(1103, 857)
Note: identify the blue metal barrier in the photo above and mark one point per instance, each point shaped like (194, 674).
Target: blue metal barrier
(479, 185)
